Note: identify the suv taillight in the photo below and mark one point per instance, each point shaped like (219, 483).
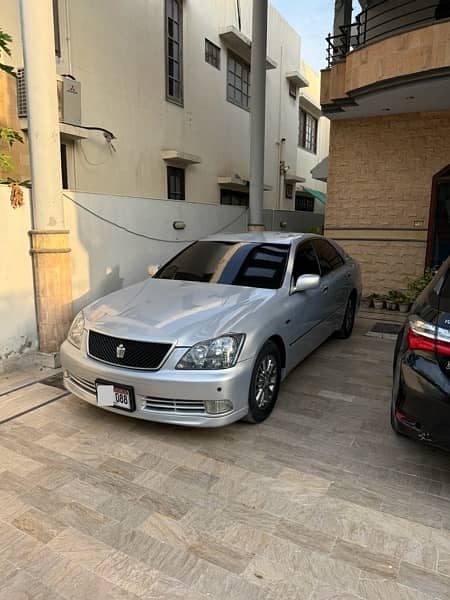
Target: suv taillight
(426, 336)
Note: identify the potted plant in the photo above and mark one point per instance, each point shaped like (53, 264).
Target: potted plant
(378, 301)
(391, 300)
(404, 302)
(367, 301)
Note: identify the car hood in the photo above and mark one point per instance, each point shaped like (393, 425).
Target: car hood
(179, 312)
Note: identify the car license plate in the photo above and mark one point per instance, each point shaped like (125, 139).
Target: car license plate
(115, 395)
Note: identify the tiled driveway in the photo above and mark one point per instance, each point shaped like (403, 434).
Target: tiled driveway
(322, 501)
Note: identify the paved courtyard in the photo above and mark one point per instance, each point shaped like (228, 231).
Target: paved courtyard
(320, 502)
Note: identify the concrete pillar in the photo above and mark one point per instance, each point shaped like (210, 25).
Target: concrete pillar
(258, 113)
(49, 238)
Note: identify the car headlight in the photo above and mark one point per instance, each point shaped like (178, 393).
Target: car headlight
(219, 353)
(76, 330)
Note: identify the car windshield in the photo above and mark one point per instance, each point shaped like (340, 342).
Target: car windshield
(249, 264)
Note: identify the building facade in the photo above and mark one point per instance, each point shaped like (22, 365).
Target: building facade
(155, 95)
(387, 93)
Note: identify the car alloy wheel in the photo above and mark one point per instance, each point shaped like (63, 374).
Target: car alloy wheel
(349, 319)
(265, 384)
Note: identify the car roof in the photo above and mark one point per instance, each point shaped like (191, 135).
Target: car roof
(265, 237)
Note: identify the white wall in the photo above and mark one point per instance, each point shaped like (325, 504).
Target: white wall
(105, 258)
(116, 49)
(18, 332)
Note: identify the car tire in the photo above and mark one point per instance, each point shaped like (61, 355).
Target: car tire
(264, 384)
(349, 319)
(395, 395)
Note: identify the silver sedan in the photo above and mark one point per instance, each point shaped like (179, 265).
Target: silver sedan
(208, 339)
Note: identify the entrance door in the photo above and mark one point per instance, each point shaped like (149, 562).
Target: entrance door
(439, 227)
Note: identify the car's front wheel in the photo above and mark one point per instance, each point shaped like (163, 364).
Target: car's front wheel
(265, 384)
(349, 319)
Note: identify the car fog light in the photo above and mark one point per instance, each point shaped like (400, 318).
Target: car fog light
(217, 407)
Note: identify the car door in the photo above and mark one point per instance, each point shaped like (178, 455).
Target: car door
(335, 283)
(304, 308)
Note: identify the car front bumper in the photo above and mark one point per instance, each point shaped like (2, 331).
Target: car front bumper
(167, 395)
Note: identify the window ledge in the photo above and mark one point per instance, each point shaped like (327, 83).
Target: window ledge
(180, 159)
(297, 79)
(68, 132)
(241, 45)
(238, 184)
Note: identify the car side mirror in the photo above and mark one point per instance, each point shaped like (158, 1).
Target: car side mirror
(306, 282)
(152, 270)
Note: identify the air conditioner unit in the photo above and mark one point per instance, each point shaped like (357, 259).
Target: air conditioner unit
(69, 99)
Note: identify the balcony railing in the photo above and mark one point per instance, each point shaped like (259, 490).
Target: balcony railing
(384, 19)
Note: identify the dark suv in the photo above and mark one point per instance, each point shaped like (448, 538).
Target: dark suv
(421, 389)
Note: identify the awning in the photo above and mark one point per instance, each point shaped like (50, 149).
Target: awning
(320, 171)
(181, 159)
(238, 184)
(320, 196)
(297, 79)
(241, 45)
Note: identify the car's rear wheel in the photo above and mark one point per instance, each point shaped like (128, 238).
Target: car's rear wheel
(349, 319)
(395, 397)
(265, 384)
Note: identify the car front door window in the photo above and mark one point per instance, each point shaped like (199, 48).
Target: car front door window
(305, 262)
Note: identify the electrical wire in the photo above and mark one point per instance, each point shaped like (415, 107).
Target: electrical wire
(143, 235)
(89, 162)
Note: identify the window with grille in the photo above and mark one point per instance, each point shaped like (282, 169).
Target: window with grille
(233, 198)
(212, 54)
(238, 81)
(304, 203)
(307, 138)
(175, 183)
(174, 51)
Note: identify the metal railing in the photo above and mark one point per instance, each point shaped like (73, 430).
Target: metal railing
(382, 20)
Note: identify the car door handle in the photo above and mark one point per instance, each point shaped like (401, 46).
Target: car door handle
(324, 289)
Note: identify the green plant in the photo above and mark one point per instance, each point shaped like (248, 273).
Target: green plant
(403, 298)
(416, 286)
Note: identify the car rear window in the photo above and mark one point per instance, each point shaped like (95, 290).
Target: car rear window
(444, 296)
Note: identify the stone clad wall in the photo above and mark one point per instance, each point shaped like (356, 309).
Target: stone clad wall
(379, 191)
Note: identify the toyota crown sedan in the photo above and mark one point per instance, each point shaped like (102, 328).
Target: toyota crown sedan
(208, 339)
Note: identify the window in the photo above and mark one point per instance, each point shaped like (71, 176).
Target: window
(56, 30)
(175, 183)
(307, 138)
(212, 54)
(233, 198)
(238, 81)
(289, 190)
(174, 51)
(292, 90)
(231, 263)
(305, 262)
(329, 257)
(304, 203)
(65, 179)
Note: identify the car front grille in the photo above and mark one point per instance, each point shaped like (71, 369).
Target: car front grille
(126, 353)
(180, 407)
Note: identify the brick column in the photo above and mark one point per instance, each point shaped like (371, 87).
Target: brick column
(53, 286)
